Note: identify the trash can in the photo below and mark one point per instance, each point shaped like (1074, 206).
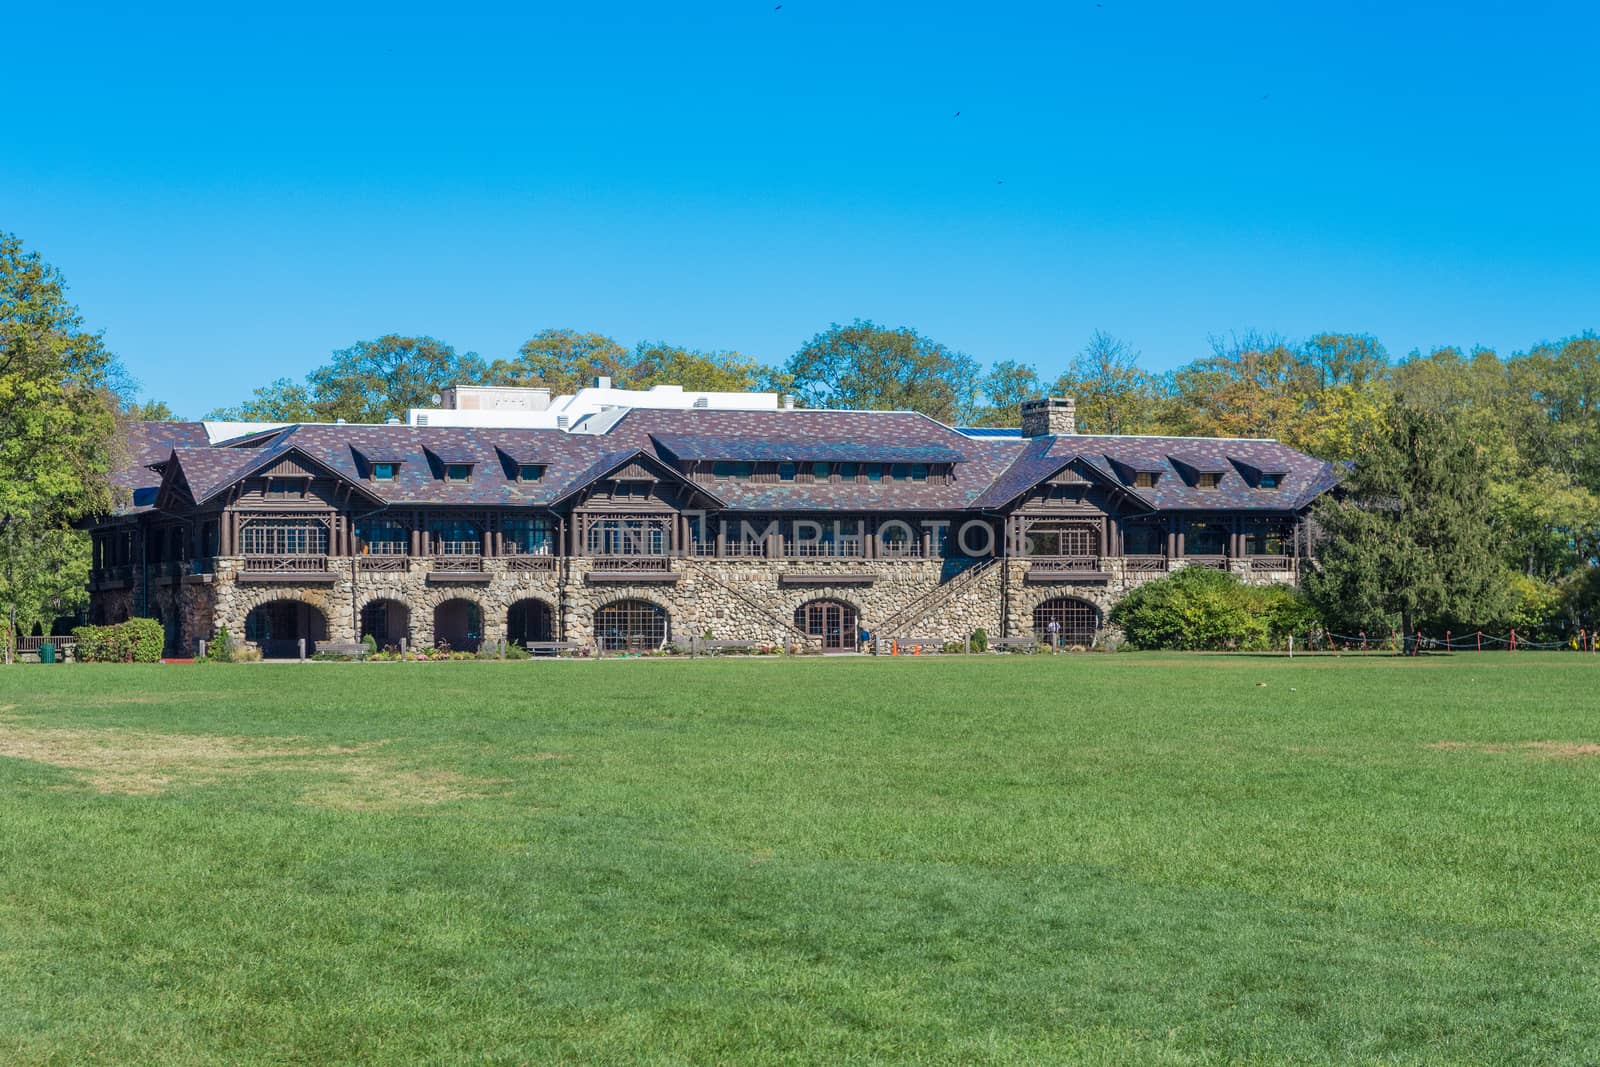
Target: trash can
(47, 652)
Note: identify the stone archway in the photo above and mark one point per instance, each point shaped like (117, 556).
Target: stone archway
(1075, 622)
(458, 623)
(387, 620)
(833, 622)
(632, 625)
(278, 626)
(530, 619)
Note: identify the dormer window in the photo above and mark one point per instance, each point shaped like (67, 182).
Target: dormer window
(384, 472)
(821, 472)
(1207, 480)
(740, 471)
(530, 472)
(1145, 479)
(1268, 480)
(787, 472)
(847, 472)
(457, 472)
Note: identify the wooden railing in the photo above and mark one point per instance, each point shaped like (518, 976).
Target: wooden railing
(460, 548)
(385, 563)
(385, 548)
(1271, 563)
(1066, 563)
(292, 564)
(1216, 563)
(532, 562)
(458, 562)
(844, 548)
(1144, 564)
(639, 564)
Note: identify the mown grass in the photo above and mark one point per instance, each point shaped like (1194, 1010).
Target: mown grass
(1007, 859)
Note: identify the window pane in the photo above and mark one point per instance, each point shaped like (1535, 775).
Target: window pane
(457, 472)
(786, 472)
(874, 472)
(383, 472)
(847, 472)
(530, 472)
(822, 471)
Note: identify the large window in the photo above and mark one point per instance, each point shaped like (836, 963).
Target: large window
(529, 537)
(284, 537)
(627, 537)
(457, 537)
(1205, 539)
(1062, 539)
(632, 625)
(1267, 539)
(382, 537)
(1144, 539)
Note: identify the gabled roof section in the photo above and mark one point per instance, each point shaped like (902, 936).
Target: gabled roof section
(141, 445)
(1039, 463)
(202, 473)
(612, 462)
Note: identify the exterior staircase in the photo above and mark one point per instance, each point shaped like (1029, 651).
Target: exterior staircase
(800, 636)
(904, 622)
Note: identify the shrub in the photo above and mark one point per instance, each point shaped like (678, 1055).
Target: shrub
(1201, 609)
(370, 642)
(516, 651)
(134, 641)
(222, 649)
(980, 640)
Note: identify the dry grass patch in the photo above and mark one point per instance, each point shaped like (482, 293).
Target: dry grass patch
(1547, 749)
(139, 763)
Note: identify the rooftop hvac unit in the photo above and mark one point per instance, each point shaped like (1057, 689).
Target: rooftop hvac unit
(422, 420)
(702, 402)
(562, 421)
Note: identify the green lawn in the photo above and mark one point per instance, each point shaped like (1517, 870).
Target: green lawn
(1005, 859)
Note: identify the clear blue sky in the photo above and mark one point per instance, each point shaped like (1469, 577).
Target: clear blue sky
(232, 198)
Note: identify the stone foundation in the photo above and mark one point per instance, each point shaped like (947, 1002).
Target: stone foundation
(727, 599)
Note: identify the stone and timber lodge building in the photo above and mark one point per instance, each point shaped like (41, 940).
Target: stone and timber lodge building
(635, 526)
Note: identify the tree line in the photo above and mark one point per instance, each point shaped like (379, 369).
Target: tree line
(1473, 493)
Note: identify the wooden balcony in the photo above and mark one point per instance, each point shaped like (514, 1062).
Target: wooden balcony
(1067, 569)
(455, 564)
(653, 569)
(287, 569)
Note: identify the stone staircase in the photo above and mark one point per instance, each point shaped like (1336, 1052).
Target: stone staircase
(904, 622)
(799, 635)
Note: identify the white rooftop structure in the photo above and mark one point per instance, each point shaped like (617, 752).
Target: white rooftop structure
(591, 410)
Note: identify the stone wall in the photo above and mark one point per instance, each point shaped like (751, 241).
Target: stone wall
(730, 599)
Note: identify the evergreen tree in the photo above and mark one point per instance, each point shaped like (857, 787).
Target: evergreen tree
(1407, 536)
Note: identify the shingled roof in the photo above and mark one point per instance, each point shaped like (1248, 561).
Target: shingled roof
(990, 473)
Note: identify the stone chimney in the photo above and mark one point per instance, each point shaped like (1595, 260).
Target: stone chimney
(1051, 415)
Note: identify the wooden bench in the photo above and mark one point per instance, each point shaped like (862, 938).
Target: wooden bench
(342, 648)
(698, 645)
(1029, 644)
(553, 648)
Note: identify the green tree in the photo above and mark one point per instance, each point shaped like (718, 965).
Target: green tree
(371, 381)
(1407, 538)
(1113, 394)
(563, 361)
(1006, 385)
(865, 366)
(656, 363)
(55, 437)
(285, 400)
(148, 411)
